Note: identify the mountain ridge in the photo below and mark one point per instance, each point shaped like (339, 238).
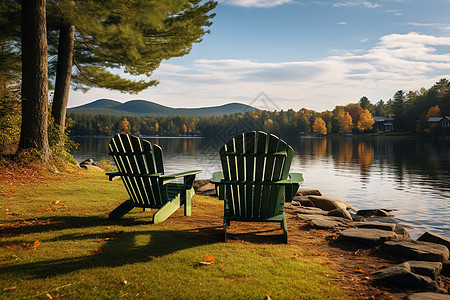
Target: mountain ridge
(148, 108)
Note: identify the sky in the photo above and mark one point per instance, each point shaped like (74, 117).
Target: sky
(282, 54)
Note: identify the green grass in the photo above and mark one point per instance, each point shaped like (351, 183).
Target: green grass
(80, 254)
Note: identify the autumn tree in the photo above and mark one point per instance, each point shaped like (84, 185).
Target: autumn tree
(319, 126)
(124, 126)
(355, 112)
(366, 121)
(434, 111)
(327, 118)
(302, 120)
(271, 126)
(336, 119)
(346, 125)
(34, 128)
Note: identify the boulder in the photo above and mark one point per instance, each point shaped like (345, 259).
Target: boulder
(207, 187)
(418, 250)
(91, 168)
(323, 222)
(373, 212)
(310, 210)
(430, 269)
(339, 212)
(367, 236)
(199, 183)
(304, 201)
(428, 296)
(302, 192)
(435, 238)
(397, 228)
(401, 275)
(88, 161)
(376, 225)
(401, 232)
(328, 204)
(326, 223)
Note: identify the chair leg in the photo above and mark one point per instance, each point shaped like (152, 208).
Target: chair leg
(121, 210)
(167, 210)
(188, 201)
(285, 231)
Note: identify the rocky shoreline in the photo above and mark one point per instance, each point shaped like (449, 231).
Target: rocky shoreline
(425, 266)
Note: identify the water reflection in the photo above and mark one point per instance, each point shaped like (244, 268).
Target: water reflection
(409, 174)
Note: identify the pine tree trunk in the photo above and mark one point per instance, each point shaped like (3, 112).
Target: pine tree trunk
(34, 78)
(63, 74)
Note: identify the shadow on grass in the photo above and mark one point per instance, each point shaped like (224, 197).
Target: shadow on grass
(119, 249)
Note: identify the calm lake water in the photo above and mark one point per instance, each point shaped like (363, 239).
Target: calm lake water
(408, 174)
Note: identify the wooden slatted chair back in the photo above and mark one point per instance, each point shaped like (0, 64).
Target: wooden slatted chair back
(135, 156)
(251, 162)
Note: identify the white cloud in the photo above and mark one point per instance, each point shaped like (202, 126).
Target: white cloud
(439, 26)
(342, 23)
(356, 3)
(256, 3)
(397, 62)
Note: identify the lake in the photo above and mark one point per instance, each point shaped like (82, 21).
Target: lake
(409, 174)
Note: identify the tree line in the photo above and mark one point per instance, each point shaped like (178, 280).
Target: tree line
(411, 111)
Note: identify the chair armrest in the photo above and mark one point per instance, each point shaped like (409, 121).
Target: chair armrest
(168, 178)
(291, 191)
(112, 175)
(296, 177)
(217, 177)
(182, 174)
(115, 174)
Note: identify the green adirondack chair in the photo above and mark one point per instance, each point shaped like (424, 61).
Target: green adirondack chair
(140, 165)
(255, 181)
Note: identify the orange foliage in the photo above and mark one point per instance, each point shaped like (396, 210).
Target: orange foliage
(365, 121)
(346, 124)
(319, 126)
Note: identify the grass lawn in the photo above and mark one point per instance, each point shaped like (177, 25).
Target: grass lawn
(56, 241)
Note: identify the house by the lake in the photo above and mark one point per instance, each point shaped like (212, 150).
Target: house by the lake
(384, 124)
(439, 122)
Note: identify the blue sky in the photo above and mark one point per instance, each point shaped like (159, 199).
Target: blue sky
(313, 54)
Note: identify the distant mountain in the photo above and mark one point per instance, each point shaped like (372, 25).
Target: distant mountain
(148, 108)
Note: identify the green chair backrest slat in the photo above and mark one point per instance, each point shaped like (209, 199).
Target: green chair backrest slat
(136, 156)
(250, 159)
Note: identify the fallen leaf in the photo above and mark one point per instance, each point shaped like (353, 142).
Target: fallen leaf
(49, 296)
(209, 260)
(326, 262)
(96, 250)
(10, 288)
(56, 202)
(9, 248)
(123, 281)
(35, 244)
(359, 271)
(267, 297)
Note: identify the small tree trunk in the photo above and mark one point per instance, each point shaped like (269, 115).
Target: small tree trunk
(63, 74)
(34, 78)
